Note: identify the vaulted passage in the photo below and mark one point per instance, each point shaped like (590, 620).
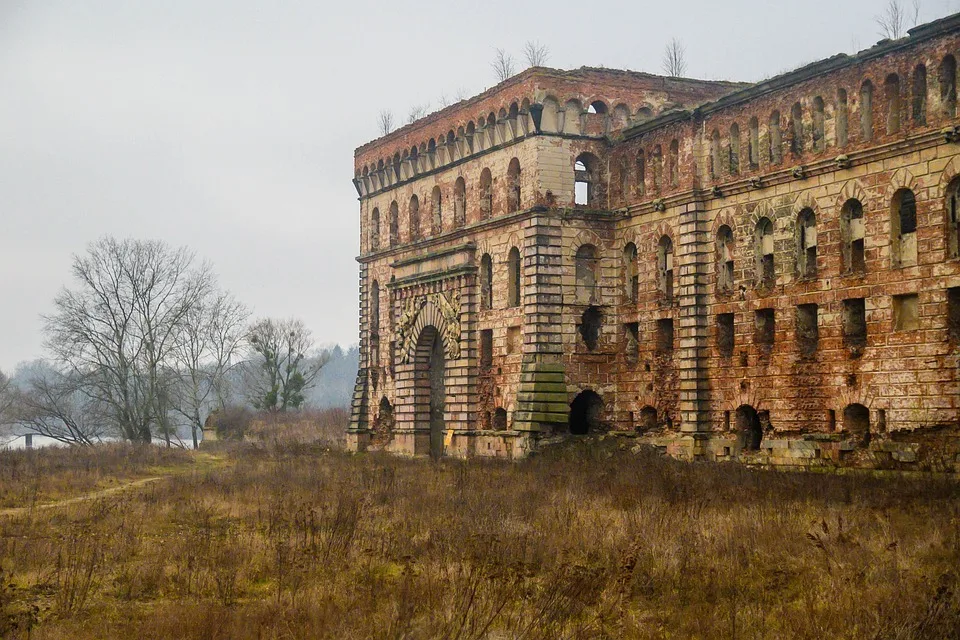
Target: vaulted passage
(749, 428)
(585, 411)
(430, 388)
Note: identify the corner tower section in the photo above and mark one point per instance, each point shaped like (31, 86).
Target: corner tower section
(488, 260)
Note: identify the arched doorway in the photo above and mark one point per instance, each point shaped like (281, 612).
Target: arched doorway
(430, 389)
(648, 420)
(856, 422)
(585, 411)
(383, 423)
(749, 428)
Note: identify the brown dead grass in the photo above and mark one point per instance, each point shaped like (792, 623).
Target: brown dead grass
(587, 541)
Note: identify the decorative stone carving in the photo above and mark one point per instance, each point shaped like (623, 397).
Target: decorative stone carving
(450, 310)
(449, 332)
(408, 318)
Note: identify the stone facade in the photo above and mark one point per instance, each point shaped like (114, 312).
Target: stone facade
(767, 272)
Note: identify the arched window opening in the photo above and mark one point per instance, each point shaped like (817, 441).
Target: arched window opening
(375, 309)
(734, 157)
(436, 199)
(394, 224)
(468, 136)
(513, 284)
(486, 282)
(841, 117)
(413, 212)
(725, 259)
(665, 268)
(866, 111)
(952, 209)
(947, 79)
(806, 244)
(586, 176)
(903, 228)
(749, 428)
(597, 106)
(819, 138)
(586, 274)
(624, 165)
(891, 91)
(631, 278)
(766, 270)
(486, 194)
(586, 411)
(657, 158)
(589, 329)
(775, 139)
(641, 173)
(673, 163)
(499, 422)
(919, 95)
(715, 154)
(648, 420)
(852, 235)
(796, 129)
(459, 203)
(856, 422)
(753, 143)
(513, 186)
(375, 229)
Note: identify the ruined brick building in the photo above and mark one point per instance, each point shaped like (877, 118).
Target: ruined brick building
(766, 272)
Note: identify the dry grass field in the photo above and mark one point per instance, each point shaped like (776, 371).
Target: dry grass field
(587, 541)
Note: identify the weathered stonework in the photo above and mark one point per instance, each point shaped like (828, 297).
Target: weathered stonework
(768, 273)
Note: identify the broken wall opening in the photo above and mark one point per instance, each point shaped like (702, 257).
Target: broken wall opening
(585, 413)
(632, 337)
(807, 331)
(648, 420)
(855, 323)
(590, 323)
(852, 234)
(725, 334)
(856, 422)
(749, 427)
(953, 314)
(664, 343)
(906, 312)
(765, 328)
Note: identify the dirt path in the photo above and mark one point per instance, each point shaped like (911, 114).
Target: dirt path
(94, 495)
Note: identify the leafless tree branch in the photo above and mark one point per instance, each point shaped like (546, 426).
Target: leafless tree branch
(674, 61)
(417, 112)
(893, 20)
(385, 121)
(536, 54)
(502, 65)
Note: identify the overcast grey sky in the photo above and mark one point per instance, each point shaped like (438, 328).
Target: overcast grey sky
(229, 126)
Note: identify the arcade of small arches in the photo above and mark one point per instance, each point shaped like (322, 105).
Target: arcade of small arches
(509, 123)
(903, 105)
(417, 228)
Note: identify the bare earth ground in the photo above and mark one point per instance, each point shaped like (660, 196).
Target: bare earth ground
(587, 541)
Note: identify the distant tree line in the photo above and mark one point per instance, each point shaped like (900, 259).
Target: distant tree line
(145, 345)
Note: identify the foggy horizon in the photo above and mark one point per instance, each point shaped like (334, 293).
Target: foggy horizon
(230, 128)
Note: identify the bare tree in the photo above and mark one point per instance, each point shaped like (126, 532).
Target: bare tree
(213, 335)
(502, 65)
(6, 397)
(279, 370)
(674, 61)
(385, 121)
(417, 112)
(536, 54)
(121, 329)
(896, 19)
(56, 405)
